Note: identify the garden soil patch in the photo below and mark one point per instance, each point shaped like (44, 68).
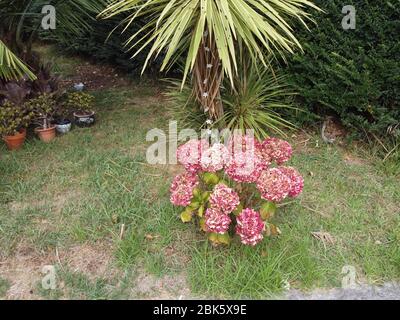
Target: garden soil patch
(96, 77)
(161, 288)
(93, 260)
(24, 272)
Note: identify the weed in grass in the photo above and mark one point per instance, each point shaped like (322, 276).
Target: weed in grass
(4, 286)
(79, 286)
(155, 263)
(49, 294)
(129, 249)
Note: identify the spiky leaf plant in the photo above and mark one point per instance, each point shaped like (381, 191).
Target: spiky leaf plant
(207, 32)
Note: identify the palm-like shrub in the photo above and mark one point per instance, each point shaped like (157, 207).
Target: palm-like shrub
(209, 31)
(183, 106)
(255, 102)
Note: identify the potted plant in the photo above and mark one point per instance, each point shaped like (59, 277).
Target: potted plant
(62, 121)
(44, 107)
(81, 102)
(13, 122)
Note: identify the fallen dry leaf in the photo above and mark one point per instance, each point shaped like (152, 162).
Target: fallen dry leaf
(264, 253)
(151, 237)
(325, 237)
(169, 251)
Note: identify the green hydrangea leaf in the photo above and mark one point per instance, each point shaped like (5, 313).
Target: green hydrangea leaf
(202, 223)
(186, 216)
(268, 210)
(224, 238)
(205, 196)
(194, 205)
(197, 193)
(238, 210)
(210, 178)
(200, 212)
(213, 237)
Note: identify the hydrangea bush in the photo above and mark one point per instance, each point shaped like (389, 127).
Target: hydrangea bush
(234, 189)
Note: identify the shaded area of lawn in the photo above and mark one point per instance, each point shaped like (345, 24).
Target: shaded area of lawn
(90, 205)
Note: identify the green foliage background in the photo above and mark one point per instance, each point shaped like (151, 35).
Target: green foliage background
(102, 46)
(354, 74)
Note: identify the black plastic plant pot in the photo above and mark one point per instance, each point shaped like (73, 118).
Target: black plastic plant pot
(84, 120)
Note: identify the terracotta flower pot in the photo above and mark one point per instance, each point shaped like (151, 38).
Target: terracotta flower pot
(46, 135)
(16, 141)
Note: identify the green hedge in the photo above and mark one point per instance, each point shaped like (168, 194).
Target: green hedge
(103, 47)
(353, 74)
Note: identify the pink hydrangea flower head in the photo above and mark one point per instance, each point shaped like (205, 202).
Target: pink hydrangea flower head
(224, 199)
(250, 227)
(274, 149)
(245, 164)
(265, 159)
(245, 167)
(274, 185)
(215, 158)
(182, 189)
(216, 221)
(189, 154)
(297, 181)
(239, 143)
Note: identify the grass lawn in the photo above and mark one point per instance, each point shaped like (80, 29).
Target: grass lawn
(90, 205)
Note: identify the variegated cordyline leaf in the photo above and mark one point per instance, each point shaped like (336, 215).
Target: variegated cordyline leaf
(176, 26)
(11, 67)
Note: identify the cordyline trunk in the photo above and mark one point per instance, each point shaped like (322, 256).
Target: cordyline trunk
(207, 77)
